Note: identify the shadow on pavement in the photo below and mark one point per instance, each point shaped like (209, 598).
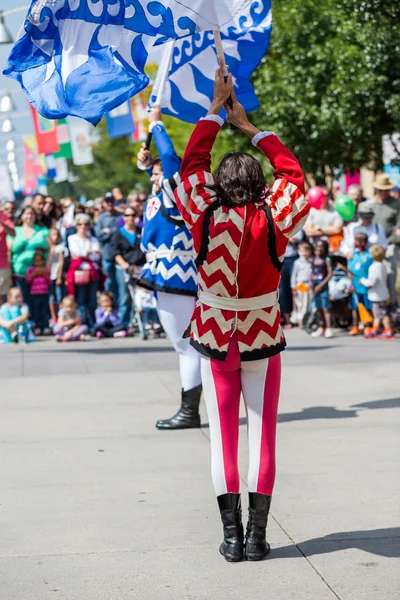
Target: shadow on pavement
(382, 542)
(330, 412)
(374, 404)
(89, 349)
(309, 348)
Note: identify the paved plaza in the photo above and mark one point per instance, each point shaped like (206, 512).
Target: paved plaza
(96, 504)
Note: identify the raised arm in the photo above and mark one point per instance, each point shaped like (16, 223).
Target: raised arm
(196, 193)
(170, 161)
(198, 152)
(285, 164)
(286, 198)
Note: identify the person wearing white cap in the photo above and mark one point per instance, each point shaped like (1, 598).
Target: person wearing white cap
(365, 223)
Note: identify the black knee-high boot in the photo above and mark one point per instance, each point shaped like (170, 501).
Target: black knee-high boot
(188, 416)
(256, 544)
(232, 548)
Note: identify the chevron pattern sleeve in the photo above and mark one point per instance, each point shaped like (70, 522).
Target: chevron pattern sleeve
(196, 193)
(289, 207)
(286, 198)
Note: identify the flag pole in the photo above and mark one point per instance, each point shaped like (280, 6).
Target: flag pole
(162, 77)
(220, 52)
(222, 62)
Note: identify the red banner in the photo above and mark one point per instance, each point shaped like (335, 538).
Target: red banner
(32, 166)
(46, 134)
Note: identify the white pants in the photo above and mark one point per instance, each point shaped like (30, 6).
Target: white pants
(175, 312)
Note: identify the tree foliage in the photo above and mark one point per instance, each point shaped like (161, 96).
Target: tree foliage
(330, 83)
(329, 87)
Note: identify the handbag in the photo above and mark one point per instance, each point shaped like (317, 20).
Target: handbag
(82, 276)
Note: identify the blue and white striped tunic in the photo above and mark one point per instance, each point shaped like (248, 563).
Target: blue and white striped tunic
(166, 241)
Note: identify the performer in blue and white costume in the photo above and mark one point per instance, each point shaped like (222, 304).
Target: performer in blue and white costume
(170, 269)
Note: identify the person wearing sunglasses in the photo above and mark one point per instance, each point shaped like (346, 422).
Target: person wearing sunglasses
(125, 244)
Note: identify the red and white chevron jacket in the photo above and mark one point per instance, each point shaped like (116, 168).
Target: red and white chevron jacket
(239, 251)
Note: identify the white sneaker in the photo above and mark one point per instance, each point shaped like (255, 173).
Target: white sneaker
(319, 333)
(329, 333)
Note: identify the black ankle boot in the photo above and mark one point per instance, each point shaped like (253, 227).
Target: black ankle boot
(256, 544)
(188, 416)
(232, 548)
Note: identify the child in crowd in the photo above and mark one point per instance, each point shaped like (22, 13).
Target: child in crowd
(147, 306)
(69, 326)
(321, 273)
(378, 293)
(14, 317)
(56, 266)
(301, 281)
(358, 266)
(38, 278)
(108, 323)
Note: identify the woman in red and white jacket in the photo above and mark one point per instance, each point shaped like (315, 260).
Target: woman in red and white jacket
(240, 229)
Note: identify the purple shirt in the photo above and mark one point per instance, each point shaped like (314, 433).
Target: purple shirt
(102, 318)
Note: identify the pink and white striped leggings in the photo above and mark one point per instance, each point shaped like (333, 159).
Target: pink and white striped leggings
(223, 382)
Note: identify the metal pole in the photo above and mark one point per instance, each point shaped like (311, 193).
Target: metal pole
(163, 75)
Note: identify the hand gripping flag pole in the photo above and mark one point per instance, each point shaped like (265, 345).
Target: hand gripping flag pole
(222, 63)
(162, 78)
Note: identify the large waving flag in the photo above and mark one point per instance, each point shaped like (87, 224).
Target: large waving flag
(188, 91)
(87, 57)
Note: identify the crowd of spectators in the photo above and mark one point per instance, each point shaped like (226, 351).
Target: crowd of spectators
(65, 268)
(346, 273)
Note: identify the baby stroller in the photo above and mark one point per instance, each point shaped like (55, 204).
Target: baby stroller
(339, 294)
(147, 306)
(137, 325)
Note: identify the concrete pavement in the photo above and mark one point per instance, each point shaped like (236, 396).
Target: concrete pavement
(98, 505)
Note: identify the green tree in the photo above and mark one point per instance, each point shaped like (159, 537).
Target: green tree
(114, 165)
(330, 83)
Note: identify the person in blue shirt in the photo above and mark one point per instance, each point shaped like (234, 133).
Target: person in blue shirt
(170, 270)
(106, 226)
(358, 266)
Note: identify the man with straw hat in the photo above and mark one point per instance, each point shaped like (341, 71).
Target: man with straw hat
(387, 208)
(387, 214)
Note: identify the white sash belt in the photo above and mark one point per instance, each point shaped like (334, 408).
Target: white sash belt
(150, 256)
(239, 304)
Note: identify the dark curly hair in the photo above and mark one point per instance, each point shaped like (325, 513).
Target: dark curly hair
(239, 180)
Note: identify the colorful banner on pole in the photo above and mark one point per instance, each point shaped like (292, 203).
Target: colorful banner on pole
(34, 165)
(81, 143)
(7, 192)
(140, 115)
(51, 166)
(120, 121)
(62, 170)
(46, 134)
(63, 140)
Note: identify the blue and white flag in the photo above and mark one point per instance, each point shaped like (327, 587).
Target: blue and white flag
(120, 121)
(86, 57)
(188, 92)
